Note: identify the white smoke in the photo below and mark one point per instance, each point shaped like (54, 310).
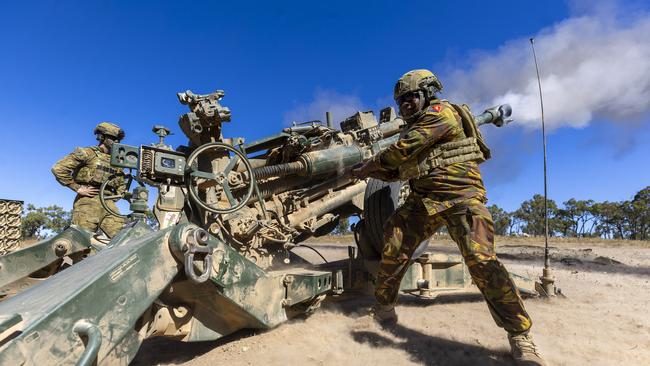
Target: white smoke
(340, 105)
(596, 65)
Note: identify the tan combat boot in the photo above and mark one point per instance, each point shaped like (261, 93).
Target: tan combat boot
(385, 315)
(524, 350)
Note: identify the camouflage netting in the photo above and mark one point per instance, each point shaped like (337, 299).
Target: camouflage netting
(10, 216)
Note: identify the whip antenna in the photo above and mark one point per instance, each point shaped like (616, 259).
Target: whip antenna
(548, 281)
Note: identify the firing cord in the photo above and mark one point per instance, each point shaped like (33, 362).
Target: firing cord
(312, 248)
(227, 233)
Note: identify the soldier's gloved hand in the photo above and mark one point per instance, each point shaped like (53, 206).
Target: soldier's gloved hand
(363, 170)
(88, 191)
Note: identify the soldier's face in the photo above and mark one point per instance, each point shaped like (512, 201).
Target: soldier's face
(410, 103)
(107, 143)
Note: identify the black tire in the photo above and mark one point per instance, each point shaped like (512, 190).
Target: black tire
(379, 202)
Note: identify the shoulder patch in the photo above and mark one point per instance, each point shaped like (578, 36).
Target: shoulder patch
(83, 153)
(80, 151)
(435, 108)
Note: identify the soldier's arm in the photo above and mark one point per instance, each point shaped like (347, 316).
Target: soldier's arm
(64, 169)
(433, 126)
(387, 175)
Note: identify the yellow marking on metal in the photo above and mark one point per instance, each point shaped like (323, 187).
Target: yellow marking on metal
(124, 267)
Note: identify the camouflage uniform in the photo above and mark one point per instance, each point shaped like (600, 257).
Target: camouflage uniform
(451, 195)
(90, 166)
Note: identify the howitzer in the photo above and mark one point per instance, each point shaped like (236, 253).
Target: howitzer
(21, 268)
(230, 213)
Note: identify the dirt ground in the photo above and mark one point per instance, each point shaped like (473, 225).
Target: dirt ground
(603, 320)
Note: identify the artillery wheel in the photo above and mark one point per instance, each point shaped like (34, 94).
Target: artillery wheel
(381, 199)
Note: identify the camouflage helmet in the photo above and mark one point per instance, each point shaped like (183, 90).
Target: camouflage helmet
(109, 129)
(417, 80)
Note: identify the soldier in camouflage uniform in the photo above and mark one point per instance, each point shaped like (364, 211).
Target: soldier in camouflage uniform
(83, 171)
(451, 195)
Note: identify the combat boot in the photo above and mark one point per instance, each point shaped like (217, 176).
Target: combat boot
(524, 350)
(385, 315)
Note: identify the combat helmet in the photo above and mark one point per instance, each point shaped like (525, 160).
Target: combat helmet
(417, 80)
(109, 129)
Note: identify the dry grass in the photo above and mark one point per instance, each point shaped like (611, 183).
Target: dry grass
(560, 242)
(29, 241)
(515, 240)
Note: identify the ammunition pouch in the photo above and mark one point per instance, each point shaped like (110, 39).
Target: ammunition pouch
(95, 172)
(94, 175)
(459, 151)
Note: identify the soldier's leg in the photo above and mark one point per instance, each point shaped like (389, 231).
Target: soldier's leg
(471, 227)
(409, 225)
(86, 214)
(111, 224)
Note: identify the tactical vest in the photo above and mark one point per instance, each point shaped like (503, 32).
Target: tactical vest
(470, 148)
(96, 171)
(471, 129)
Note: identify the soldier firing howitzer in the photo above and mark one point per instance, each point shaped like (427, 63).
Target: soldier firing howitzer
(438, 153)
(468, 150)
(229, 213)
(369, 139)
(360, 138)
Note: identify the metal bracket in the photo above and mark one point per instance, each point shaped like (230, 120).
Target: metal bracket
(197, 244)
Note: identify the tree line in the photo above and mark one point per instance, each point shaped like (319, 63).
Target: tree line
(39, 222)
(628, 219)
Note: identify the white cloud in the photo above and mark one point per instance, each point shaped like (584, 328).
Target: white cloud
(596, 65)
(341, 106)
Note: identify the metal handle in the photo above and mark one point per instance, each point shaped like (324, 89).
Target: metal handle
(197, 243)
(207, 264)
(90, 330)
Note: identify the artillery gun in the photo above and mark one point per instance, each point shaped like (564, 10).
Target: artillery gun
(230, 213)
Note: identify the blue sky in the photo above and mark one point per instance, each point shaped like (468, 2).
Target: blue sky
(67, 65)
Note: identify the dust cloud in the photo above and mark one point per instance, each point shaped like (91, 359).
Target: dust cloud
(595, 64)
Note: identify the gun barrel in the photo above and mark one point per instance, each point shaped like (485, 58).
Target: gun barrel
(391, 127)
(335, 160)
(341, 159)
(338, 159)
(498, 115)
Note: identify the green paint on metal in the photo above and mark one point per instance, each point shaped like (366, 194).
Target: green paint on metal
(436, 272)
(9, 320)
(111, 289)
(23, 262)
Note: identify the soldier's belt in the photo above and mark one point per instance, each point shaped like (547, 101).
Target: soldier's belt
(460, 151)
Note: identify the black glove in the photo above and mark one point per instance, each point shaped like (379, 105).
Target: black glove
(363, 170)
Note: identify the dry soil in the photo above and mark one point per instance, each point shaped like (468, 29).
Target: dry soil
(603, 320)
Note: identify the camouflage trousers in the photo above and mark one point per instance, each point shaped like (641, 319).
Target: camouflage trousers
(470, 225)
(88, 213)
